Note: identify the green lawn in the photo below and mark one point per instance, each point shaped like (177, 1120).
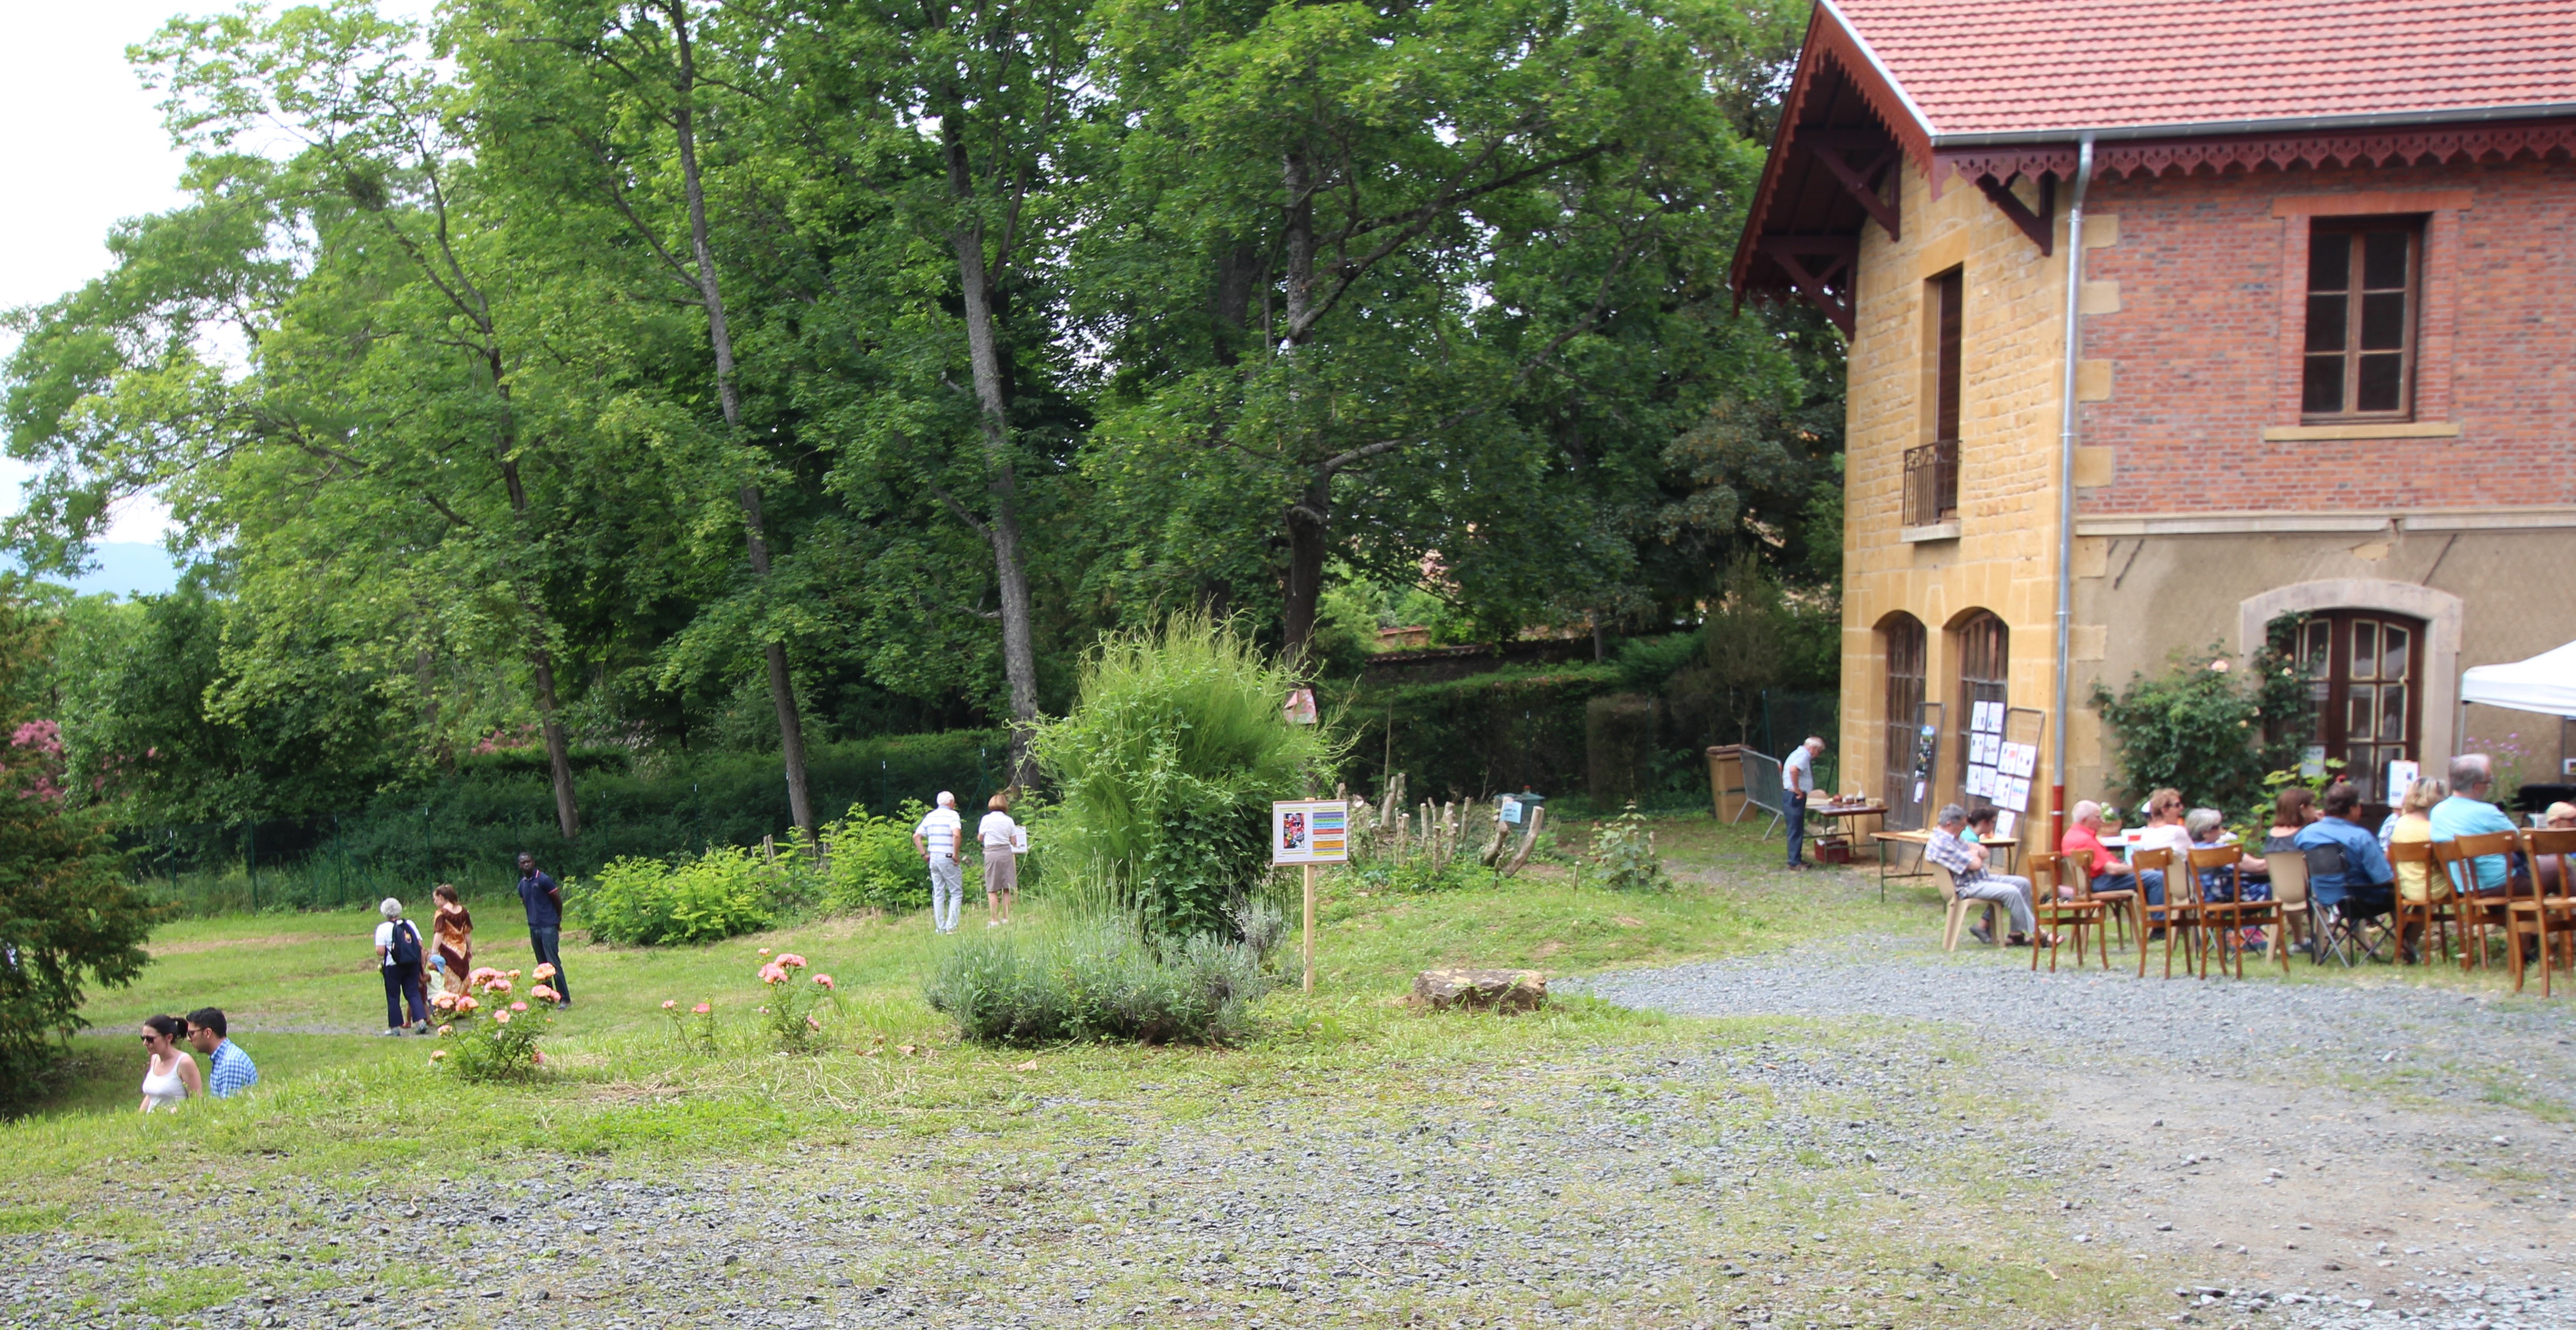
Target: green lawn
(303, 999)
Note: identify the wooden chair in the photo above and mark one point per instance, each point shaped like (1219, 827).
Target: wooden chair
(2438, 911)
(2179, 916)
(2530, 911)
(2076, 915)
(2117, 906)
(1958, 905)
(2559, 846)
(2226, 920)
(2291, 898)
(2477, 913)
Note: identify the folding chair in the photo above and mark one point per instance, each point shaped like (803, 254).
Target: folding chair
(2348, 937)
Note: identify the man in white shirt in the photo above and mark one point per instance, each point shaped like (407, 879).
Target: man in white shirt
(1797, 777)
(1000, 836)
(936, 840)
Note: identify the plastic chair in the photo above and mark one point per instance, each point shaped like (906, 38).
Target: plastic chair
(1958, 905)
(2290, 900)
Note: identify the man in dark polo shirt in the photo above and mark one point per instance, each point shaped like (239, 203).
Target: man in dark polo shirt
(543, 899)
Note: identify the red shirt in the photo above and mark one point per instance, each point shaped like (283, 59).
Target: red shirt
(2096, 854)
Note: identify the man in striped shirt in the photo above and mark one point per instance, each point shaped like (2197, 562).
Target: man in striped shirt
(936, 840)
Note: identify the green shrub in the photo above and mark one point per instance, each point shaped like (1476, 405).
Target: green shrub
(726, 892)
(1098, 979)
(872, 863)
(2208, 729)
(1166, 768)
(1623, 855)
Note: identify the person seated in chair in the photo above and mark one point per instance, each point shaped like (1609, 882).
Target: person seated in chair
(2347, 871)
(1967, 865)
(2467, 813)
(2083, 842)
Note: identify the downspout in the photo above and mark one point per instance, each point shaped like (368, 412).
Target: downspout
(2066, 486)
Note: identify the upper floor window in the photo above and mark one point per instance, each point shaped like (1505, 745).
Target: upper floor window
(2363, 279)
(1932, 471)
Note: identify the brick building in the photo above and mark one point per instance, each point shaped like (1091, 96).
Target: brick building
(2326, 320)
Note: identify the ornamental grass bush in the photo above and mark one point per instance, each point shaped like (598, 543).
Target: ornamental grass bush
(1098, 978)
(1166, 767)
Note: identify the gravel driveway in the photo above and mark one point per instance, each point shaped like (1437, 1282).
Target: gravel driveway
(1933, 1140)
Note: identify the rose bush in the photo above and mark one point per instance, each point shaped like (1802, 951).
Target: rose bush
(792, 1007)
(486, 1034)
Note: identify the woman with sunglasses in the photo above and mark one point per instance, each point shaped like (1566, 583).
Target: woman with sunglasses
(170, 1077)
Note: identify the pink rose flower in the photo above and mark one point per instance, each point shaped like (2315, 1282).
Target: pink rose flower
(824, 982)
(792, 961)
(546, 970)
(500, 1018)
(669, 1005)
(700, 1010)
(773, 973)
(518, 1006)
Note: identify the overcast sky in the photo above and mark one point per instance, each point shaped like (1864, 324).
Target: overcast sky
(86, 149)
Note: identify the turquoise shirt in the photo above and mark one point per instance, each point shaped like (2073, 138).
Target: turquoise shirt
(2460, 816)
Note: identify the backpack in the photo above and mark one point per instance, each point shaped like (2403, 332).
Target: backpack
(406, 943)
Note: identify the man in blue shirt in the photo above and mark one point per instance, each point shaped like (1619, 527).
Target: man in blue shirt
(542, 898)
(2347, 871)
(2467, 813)
(231, 1070)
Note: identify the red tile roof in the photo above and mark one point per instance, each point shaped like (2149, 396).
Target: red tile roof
(1992, 66)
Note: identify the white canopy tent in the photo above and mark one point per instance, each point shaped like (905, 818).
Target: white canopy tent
(2546, 683)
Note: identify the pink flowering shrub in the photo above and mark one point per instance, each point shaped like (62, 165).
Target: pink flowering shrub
(484, 1035)
(695, 1027)
(792, 1007)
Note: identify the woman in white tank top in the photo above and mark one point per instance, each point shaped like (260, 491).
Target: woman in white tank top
(170, 1076)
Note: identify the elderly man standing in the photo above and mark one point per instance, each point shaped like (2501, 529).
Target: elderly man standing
(2467, 813)
(1967, 865)
(1797, 778)
(2083, 840)
(936, 840)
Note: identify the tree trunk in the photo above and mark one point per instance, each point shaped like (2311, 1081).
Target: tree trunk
(558, 754)
(1309, 524)
(782, 685)
(1310, 517)
(1001, 475)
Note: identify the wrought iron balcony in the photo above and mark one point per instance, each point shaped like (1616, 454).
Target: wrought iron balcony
(1932, 483)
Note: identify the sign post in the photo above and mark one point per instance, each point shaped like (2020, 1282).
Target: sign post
(1307, 832)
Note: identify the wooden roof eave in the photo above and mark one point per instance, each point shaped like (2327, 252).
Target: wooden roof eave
(1830, 39)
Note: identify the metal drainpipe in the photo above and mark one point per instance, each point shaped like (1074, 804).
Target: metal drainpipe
(2066, 484)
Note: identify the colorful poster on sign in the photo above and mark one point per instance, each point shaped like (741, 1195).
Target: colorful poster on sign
(1310, 831)
(1300, 707)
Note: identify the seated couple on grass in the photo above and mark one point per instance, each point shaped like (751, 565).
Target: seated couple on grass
(1967, 865)
(170, 1075)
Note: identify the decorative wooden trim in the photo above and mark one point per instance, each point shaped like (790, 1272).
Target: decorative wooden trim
(2418, 429)
(1827, 286)
(1861, 160)
(2040, 226)
(2119, 158)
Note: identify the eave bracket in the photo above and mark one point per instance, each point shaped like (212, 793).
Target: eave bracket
(2040, 226)
(1821, 267)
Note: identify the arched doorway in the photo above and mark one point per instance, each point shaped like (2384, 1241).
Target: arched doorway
(1903, 645)
(1983, 648)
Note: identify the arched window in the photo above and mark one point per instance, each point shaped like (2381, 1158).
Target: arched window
(1984, 658)
(1902, 646)
(2363, 668)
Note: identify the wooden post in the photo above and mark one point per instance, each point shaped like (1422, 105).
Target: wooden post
(1310, 928)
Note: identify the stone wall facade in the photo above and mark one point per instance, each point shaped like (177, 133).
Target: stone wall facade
(2202, 498)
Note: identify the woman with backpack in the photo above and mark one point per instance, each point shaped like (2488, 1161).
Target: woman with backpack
(398, 954)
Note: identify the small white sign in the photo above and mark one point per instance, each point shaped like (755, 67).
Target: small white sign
(1310, 831)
